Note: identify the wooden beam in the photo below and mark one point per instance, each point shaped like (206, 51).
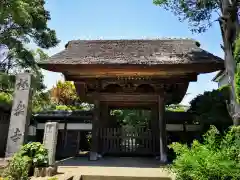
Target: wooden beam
(161, 79)
(110, 97)
(131, 105)
(80, 88)
(191, 67)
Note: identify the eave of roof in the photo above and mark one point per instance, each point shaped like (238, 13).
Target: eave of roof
(132, 52)
(218, 76)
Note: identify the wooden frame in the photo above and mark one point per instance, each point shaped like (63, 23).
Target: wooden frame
(136, 98)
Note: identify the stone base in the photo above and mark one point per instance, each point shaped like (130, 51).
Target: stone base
(39, 172)
(45, 171)
(162, 160)
(93, 156)
(51, 171)
(8, 159)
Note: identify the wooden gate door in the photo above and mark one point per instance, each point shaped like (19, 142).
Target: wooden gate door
(71, 146)
(127, 141)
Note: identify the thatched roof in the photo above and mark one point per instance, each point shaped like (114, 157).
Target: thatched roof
(148, 52)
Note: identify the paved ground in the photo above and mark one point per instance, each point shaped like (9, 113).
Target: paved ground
(3, 162)
(110, 168)
(129, 167)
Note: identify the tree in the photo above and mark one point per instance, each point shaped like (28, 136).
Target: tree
(176, 108)
(206, 114)
(40, 98)
(199, 15)
(7, 79)
(42, 101)
(64, 93)
(135, 118)
(22, 22)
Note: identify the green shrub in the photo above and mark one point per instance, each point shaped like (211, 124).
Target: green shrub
(52, 178)
(217, 158)
(29, 156)
(18, 168)
(6, 98)
(37, 152)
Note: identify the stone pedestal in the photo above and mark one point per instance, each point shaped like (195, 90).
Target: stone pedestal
(50, 140)
(93, 156)
(45, 171)
(19, 121)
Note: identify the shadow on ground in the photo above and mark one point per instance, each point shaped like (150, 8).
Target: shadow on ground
(112, 162)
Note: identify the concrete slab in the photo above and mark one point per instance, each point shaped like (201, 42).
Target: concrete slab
(65, 176)
(121, 178)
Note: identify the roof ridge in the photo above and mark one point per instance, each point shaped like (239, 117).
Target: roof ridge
(143, 39)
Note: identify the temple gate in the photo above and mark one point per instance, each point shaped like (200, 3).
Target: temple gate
(144, 74)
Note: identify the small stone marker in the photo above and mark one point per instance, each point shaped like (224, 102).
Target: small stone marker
(50, 140)
(19, 121)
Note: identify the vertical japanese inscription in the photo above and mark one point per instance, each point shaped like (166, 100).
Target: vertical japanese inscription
(16, 135)
(20, 109)
(18, 129)
(22, 84)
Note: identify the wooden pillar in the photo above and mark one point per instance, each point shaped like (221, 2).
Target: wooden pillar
(95, 124)
(155, 129)
(103, 121)
(162, 130)
(104, 114)
(78, 142)
(65, 131)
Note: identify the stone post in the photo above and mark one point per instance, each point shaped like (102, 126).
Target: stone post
(50, 140)
(162, 129)
(20, 115)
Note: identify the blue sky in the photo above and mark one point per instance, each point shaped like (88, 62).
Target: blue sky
(125, 19)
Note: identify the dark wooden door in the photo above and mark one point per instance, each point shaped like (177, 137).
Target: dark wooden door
(71, 146)
(127, 141)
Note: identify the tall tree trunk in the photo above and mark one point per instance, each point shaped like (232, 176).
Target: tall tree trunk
(229, 27)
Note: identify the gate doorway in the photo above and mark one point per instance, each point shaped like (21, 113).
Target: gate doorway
(127, 141)
(129, 134)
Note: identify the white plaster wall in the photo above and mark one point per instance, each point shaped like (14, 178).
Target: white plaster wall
(174, 127)
(42, 126)
(87, 126)
(223, 81)
(79, 126)
(70, 126)
(31, 131)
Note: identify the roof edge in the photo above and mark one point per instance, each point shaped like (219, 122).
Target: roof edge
(219, 75)
(143, 39)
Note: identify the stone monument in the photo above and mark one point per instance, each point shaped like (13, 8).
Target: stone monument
(50, 141)
(20, 115)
